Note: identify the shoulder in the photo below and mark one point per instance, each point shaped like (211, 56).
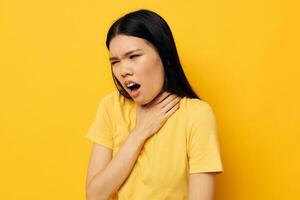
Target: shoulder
(197, 103)
(197, 106)
(112, 97)
(198, 110)
(109, 100)
(113, 101)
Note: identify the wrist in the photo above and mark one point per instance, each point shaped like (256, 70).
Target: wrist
(138, 136)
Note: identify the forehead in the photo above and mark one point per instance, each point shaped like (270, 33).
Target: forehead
(122, 44)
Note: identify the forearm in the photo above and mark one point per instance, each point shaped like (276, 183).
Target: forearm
(108, 181)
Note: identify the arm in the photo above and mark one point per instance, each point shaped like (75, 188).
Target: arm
(107, 181)
(201, 186)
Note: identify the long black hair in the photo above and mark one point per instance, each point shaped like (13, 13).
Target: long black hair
(153, 28)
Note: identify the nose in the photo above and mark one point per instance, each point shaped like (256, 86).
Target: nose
(125, 70)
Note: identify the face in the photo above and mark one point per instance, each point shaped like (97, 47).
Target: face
(134, 59)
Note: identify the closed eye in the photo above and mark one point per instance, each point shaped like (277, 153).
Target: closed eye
(113, 62)
(133, 56)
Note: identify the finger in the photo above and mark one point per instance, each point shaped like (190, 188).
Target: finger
(167, 100)
(161, 97)
(171, 104)
(172, 110)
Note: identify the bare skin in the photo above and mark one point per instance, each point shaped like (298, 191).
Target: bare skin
(151, 117)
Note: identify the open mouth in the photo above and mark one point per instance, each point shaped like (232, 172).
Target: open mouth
(133, 86)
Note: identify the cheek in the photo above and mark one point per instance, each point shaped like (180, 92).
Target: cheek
(153, 66)
(115, 73)
(154, 74)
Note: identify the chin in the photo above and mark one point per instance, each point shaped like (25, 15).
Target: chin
(141, 103)
(146, 100)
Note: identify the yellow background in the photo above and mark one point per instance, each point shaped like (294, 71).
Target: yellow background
(240, 56)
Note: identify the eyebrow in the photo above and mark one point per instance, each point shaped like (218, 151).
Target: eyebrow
(127, 53)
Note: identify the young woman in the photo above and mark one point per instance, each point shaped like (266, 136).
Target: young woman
(153, 138)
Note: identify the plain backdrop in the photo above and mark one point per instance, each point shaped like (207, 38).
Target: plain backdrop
(242, 57)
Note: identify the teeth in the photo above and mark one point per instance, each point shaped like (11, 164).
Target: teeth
(130, 84)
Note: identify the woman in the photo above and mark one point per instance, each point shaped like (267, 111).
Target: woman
(154, 139)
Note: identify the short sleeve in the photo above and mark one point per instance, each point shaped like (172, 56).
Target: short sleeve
(100, 130)
(203, 146)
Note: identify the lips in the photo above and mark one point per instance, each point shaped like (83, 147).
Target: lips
(128, 82)
(131, 84)
(132, 87)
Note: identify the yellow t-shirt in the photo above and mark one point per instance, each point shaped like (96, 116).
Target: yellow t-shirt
(186, 143)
